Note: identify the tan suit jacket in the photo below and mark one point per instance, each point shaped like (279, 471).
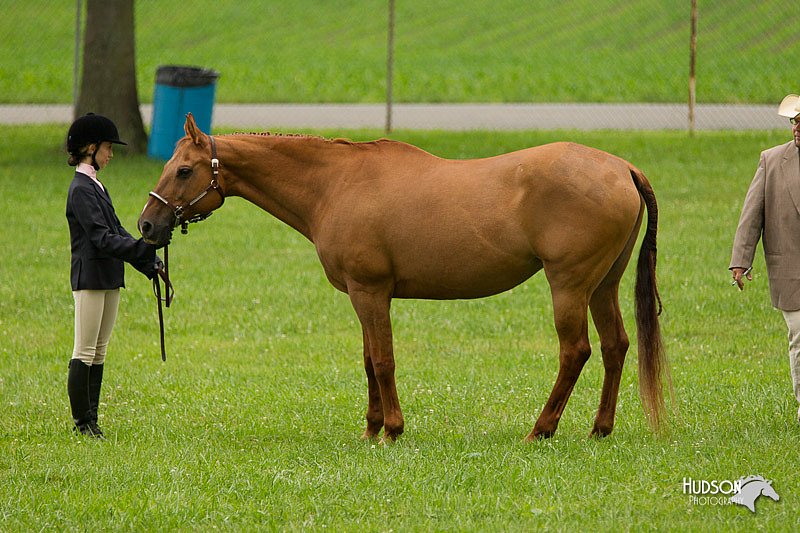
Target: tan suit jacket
(772, 212)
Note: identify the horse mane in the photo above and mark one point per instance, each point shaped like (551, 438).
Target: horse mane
(749, 479)
(337, 140)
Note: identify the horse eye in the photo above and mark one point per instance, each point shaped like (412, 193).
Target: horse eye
(184, 172)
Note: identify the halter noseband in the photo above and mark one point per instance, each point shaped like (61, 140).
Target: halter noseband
(179, 209)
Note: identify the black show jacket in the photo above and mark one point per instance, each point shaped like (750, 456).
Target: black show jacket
(100, 245)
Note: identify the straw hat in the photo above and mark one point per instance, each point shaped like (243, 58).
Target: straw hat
(790, 106)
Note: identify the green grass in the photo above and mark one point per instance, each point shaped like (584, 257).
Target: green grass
(253, 422)
(478, 50)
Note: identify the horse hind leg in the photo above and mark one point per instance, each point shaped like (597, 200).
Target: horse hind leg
(570, 308)
(614, 343)
(572, 287)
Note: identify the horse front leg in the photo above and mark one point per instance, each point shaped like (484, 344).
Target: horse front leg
(372, 307)
(374, 405)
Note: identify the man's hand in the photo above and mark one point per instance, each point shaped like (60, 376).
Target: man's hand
(738, 273)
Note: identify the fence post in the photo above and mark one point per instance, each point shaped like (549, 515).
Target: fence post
(76, 69)
(692, 60)
(389, 67)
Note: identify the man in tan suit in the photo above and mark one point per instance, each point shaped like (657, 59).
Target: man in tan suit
(772, 211)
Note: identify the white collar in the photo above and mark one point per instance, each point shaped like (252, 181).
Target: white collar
(89, 170)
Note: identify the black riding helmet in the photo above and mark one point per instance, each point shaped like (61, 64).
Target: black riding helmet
(90, 129)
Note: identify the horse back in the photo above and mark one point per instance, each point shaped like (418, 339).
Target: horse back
(444, 228)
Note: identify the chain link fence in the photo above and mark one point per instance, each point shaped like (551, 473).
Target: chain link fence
(535, 64)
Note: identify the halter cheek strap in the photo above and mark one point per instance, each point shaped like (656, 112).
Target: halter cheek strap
(214, 185)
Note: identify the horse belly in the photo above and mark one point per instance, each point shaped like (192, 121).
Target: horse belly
(458, 236)
(449, 269)
(460, 287)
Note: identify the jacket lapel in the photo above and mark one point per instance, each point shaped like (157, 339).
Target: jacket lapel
(103, 193)
(790, 172)
(105, 196)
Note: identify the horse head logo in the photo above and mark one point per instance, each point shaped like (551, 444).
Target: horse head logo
(750, 488)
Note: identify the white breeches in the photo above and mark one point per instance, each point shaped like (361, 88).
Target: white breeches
(95, 314)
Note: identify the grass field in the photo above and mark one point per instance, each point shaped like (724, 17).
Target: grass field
(476, 50)
(253, 422)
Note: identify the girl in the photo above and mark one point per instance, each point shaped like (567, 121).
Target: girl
(100, 246)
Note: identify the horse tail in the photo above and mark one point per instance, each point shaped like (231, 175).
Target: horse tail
(653, 366)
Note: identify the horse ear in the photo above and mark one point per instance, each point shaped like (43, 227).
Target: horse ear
(192, 130)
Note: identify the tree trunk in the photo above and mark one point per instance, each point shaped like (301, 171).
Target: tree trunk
(108, 82)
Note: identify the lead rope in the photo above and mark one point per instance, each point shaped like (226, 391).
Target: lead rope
(169, 294)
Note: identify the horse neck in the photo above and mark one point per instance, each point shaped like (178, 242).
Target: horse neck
(288, 176)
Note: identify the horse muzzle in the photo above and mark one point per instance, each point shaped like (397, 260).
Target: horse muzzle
(156, 230)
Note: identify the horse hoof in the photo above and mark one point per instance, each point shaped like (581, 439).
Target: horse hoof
(369, 435)
(388, 439)
(598, 433)
(539, 435)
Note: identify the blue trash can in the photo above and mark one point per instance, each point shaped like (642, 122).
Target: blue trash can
(179, 90)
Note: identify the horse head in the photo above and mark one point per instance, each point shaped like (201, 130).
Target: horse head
(751, 488)
(768, 491)
(182, 194)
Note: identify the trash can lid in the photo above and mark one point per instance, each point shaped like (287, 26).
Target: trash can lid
(181, 76)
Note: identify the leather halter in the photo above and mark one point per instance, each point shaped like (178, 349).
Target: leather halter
(179, 209)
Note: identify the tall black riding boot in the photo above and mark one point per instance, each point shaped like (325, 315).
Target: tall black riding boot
(78, 390)
(95, 384)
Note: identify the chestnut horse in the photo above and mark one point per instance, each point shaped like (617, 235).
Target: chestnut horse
(390, 220)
